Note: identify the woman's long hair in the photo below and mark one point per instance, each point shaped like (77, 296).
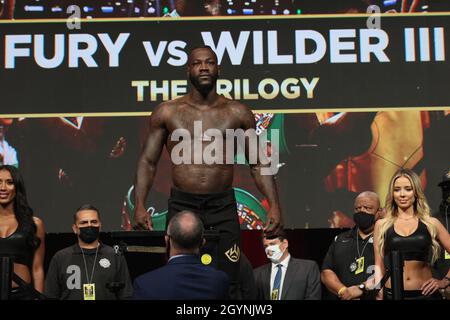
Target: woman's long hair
(22, 210)
(421, 210)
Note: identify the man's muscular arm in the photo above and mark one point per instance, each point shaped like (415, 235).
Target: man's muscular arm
(146, 167)
(264, 182)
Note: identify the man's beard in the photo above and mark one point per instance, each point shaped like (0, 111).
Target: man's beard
(204, 89)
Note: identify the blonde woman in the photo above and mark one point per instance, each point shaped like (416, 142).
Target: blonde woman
(409, 228)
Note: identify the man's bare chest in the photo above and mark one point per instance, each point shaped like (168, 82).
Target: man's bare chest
(195, 121)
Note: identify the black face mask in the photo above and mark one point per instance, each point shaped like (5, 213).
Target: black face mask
(89, 234)
(364, 221)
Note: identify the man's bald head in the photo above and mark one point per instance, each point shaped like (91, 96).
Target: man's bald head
(194, 51)
(186, 231)
(367, 201)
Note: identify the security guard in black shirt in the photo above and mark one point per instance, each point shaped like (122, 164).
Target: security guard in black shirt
(350, 259)
(441, 269)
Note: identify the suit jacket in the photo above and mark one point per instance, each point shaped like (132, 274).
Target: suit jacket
(301, 282)
(183, 277)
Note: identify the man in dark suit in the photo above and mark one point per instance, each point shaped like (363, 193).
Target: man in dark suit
(285, 277)
(184, 276)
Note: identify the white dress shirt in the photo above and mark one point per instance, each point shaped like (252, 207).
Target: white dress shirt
(284, 265)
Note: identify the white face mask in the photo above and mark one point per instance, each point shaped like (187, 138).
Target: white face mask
(274, 253)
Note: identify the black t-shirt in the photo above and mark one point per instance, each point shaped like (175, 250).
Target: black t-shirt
(343, 252)
(67, 273)
(442, 265)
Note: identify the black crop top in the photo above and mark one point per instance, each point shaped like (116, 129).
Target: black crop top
(414, 247)
(16, 245)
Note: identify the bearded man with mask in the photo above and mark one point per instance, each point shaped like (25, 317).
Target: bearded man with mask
(88, 270)
(350, 260)
(285, 277)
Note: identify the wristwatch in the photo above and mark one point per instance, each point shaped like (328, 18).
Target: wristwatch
(362, 286)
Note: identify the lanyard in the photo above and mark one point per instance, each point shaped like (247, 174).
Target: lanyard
(93, 265)
(357, 244)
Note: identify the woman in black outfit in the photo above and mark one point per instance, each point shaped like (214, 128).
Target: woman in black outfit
(22, 236)
(409, 228)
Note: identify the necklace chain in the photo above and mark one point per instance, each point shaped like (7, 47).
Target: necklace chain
(406, 218)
